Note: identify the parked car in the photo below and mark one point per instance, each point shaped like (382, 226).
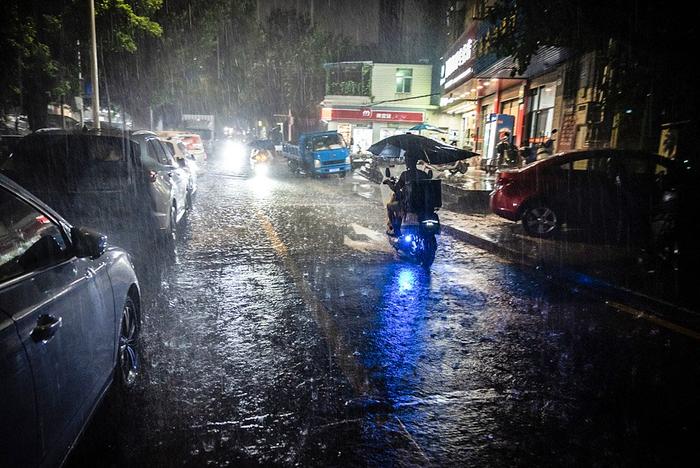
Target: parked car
(600, 189)
(69, 328)
(194, 145)
(101, 178)
(187, 162)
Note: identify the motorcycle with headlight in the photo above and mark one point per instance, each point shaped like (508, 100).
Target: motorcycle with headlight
(419, 201)
(260, 160)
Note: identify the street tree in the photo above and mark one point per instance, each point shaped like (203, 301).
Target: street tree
(39, 44)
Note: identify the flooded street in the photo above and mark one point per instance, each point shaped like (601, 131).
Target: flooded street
(285, 331)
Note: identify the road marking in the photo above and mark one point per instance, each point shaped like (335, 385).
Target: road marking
(412, 440)
(363, 231)
(654, 319)
(357, 245)
(376, 243)
(353, 370)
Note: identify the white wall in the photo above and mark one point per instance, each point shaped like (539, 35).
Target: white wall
(384, 84)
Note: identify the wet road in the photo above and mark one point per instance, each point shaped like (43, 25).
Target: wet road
(285, 332)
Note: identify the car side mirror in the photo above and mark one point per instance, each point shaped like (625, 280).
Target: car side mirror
(387, 172)
(88, 243)
(181, 162)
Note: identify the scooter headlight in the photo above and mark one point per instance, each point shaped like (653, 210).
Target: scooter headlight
(408, 237)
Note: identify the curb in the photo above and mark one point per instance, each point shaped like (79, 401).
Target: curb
(578, 279)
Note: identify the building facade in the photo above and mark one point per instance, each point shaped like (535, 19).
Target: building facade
(367, 101)
(557, 91)
(486, 94)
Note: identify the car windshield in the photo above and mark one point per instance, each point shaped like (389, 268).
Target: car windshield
(327, 142)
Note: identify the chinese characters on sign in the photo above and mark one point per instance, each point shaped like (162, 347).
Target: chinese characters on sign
(331, 113)
(456, 60)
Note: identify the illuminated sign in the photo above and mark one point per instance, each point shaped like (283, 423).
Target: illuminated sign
(459, 77)
(456, 60)
(332, 113)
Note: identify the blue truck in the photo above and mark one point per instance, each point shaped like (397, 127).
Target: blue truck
(319, 153)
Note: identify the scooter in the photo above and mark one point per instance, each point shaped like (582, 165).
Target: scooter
(260, 161)
(414, 238)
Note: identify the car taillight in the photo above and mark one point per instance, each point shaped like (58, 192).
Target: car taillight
(152, 176)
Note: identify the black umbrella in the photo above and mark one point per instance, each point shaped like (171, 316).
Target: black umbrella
(418, 148)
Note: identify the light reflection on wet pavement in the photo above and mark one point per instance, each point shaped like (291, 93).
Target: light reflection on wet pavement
(282, 333)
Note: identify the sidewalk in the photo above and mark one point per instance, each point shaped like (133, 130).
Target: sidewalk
(575, 256)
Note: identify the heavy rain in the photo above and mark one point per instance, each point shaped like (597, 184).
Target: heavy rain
(347, 233)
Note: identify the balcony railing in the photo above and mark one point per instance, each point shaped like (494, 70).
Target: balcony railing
(348, 88)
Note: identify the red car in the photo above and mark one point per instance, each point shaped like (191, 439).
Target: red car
(599, 189)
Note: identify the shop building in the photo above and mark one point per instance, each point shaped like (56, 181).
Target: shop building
(486, 95)
(367, 101)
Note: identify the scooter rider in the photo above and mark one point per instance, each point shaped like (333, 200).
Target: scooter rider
(395, 206)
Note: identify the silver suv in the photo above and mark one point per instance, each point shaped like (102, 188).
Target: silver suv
(168, 182)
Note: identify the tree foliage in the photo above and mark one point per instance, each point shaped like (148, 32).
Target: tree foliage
(39, 44)
(169, 56)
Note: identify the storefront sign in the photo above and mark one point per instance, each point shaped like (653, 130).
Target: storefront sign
(456, 60)
(329, 113)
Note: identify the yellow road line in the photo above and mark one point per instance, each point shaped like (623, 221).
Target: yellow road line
(353, 370)
(654, 319)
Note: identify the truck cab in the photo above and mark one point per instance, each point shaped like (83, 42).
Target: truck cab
(319, 153)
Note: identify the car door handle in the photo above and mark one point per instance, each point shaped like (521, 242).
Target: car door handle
(46, 327)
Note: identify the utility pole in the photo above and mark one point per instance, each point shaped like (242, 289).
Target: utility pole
(93, 63)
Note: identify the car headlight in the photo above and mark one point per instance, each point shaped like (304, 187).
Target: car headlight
(348, 160)
(317, 163)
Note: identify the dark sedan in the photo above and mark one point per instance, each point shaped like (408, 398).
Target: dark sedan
(69, 323)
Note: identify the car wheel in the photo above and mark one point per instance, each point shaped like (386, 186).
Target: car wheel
(128, 362)
(172, 229)
(540, 220)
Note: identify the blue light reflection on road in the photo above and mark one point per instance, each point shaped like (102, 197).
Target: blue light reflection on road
(399, 336)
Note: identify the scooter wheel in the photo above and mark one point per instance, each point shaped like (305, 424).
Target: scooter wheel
(427, 254)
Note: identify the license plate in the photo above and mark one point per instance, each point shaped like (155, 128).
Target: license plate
(335, 169)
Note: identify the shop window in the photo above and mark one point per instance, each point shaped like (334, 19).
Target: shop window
(510, 108)
(541, 113)
(404, 78)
